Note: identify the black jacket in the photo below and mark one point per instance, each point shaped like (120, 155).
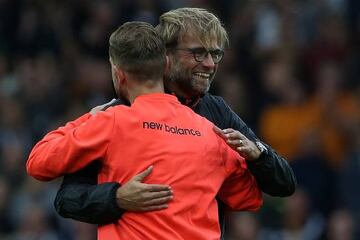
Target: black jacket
(81, 198)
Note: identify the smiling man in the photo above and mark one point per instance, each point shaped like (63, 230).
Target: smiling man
(198, 63)
(151, 132)
(195, 39)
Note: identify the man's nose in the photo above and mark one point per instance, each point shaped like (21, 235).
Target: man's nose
(208, 61)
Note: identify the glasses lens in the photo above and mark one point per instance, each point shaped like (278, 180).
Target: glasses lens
(200, 54)
(217, 55)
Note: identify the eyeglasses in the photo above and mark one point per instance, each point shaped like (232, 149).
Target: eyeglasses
(201, 53)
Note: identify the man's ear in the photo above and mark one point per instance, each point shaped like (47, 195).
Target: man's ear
(120, 75)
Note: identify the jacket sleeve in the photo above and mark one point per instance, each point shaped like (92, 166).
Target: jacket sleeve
(239, 191)
(72, 147)
(272, 172)
(80, 198)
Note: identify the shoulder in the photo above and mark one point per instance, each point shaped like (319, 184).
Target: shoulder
(213, 100)
(214, 104)
(118, 111)
(215, 109)
(110, 112)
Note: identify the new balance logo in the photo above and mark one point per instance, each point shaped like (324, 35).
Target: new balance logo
(171, 129)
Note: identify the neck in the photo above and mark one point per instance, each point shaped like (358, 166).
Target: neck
(147, 87)
(186, 98)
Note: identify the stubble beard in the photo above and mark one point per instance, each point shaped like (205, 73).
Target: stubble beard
(184, 81)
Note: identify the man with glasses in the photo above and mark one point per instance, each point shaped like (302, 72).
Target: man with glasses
(201, 53)
(195, 40)
(186, 152)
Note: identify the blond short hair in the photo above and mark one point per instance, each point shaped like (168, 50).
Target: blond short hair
(196, 21)
(138, 49)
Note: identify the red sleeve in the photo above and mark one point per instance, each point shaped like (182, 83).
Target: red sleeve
(71, 147)
(240, 190)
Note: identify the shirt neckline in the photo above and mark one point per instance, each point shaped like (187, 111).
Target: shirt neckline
(156, 96)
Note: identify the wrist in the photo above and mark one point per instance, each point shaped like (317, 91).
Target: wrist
(263, 151)
(262, 148)
(117, 195)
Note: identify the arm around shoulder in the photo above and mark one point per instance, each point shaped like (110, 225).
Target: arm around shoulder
(71, 148)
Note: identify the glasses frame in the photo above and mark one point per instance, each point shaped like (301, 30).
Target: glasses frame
(199, 58)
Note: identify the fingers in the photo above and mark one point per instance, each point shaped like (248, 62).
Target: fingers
(242, 149)
(154, 201)
(228, 130)
(112, 100)
(235, 139)
(230, 134)
(219, 132)
(158, 201)
(137, 196)
(109, 103)
(160, 194)
(102, 107)
(236, 142)
(140, 177)
(154, 207)
(157, 187)
(235, 135)
(227, 133)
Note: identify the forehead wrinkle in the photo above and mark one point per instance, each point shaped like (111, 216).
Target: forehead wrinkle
(205, 39)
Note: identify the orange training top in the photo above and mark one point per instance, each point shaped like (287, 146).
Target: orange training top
(184, 150)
